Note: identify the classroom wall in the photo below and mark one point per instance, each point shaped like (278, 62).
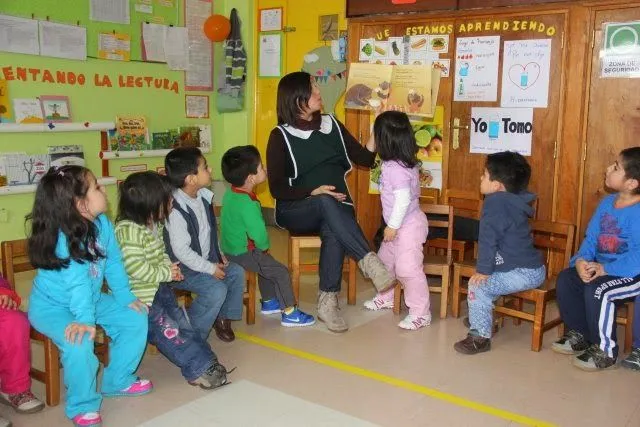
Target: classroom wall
(163, 108)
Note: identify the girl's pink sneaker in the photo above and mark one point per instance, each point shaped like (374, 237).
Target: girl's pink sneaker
(91, 419)
(138, 388)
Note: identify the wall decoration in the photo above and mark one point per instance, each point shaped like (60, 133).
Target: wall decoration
(477, 69)
(501, 129)
(270, 19)
(329, 75)
(55, 108)
(621, 51)
(5, 104)
(28, 110)
(196, 106)
(327, 27)
(525, 73)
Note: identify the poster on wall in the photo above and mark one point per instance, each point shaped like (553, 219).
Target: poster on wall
(19, 35)
(476, 73)
(62, 41)
(429, 139)
(199, 73)
(525, 73)
(270, 55)
(114, 46)
(620, 55)
(5, 104)
(501, 129)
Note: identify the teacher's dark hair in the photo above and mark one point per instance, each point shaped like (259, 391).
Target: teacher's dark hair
(294, 91)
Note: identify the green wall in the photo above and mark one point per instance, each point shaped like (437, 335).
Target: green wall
(163, 108)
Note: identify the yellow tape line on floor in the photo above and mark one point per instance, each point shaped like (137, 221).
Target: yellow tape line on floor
(447, 397)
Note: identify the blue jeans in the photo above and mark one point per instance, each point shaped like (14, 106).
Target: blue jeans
(128, 332)
(171, 332)
(481, 297)
(214, 297)
(339, 231)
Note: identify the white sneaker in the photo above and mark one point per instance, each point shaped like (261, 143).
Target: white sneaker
(413, 323)
(377, 303)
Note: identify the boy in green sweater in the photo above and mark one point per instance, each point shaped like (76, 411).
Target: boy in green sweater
(244, 235)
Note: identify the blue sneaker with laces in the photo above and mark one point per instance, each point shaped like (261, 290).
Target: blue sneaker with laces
(296, 319)
(270, 306)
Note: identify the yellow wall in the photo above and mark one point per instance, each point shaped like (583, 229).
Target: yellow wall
(298, 14)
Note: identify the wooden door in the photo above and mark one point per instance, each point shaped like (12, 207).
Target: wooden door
(613, 119)
(464, 168)
(368, 207)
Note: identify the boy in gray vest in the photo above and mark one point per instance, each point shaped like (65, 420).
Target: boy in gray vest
(191, 238)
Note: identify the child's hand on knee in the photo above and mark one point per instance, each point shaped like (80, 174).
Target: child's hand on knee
(139, 306)
(596, 270)
(219, 273)
(76, 331)
(585, 271)
(478, 279)
(8, 303)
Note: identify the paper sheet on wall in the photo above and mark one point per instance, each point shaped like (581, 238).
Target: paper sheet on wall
(110, 11)
(63, 41)
(196, 106)
(501, 129)
(476, 69)
(270, 54)
(199, 74)
(525, 73)
(153, 37)
(114, 46)
(176, 48)
(19, 35)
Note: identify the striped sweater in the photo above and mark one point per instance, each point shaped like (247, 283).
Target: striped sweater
(144, 258)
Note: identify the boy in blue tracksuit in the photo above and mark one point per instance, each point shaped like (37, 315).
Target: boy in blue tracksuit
(605, 271)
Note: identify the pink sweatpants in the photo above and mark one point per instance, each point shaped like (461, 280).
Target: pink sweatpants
(15, 352)
(403, 257)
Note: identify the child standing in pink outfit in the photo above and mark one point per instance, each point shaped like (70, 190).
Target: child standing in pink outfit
(406, 232)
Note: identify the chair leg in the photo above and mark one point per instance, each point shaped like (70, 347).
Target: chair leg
(517, 303)
(51, 372)
(397, 297)
(351, 283)
(294, 267)
(152, 350)
(444, 297)
(628, 329)
(538, 323)
(455, 297)
(252, 278)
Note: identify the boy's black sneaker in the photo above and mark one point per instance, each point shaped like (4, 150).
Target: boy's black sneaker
(572, 343)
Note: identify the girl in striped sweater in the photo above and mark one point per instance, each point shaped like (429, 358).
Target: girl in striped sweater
(145, 203)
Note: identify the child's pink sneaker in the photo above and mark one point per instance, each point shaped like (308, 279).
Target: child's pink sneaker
(138, 388)
(92, 419)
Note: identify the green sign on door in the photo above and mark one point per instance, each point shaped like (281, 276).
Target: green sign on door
(622, 38)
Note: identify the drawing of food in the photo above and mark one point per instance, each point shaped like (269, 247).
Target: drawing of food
(395, 48)
(415, 101)
(438, 43)
(367, 49)
(419, 43)
(426, 178)
(383, 90)
(358, 95)
(380, 51)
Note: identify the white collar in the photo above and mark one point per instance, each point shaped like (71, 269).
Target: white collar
(326, 124)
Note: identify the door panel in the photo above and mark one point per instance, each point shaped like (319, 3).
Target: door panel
(613, 118)
(464, 168)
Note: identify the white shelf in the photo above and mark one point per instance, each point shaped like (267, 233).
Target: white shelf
(22, 189)
(55, 127)
(110, 155)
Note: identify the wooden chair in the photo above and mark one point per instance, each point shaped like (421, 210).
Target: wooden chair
(15, 259)
(627, 322)
(555, 240)
(435, 265)
(467, 204)
(429, 195)
(297, 242)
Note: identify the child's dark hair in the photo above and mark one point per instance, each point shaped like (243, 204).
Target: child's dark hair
(631, 164)
(240, 162)
(509, 168)
(180, 163)
(394, 138)
(54, 211)
(144, 197)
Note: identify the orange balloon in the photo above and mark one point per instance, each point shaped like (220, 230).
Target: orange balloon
(217, 28)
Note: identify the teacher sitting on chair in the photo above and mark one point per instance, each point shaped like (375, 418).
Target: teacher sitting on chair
(309, 155)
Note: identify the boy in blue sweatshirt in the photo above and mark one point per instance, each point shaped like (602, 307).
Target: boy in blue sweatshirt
(507, 260)
(605, 271)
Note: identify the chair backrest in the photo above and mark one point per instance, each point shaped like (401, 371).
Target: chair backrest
(429, 195)
(443, 211)
(555, 242)
(464, 202)
(15, 259)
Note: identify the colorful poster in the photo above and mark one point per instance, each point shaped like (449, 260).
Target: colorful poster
(620, 55)
(114, 46)
(525, 73)
(476, 77)
(5, 104)
(131, 134)
(501, 129)
(430, 144)
(28, 110)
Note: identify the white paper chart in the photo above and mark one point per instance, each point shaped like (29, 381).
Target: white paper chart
(476, 77)
(525, 73)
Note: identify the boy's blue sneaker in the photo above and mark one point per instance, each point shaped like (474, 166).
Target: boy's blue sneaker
(270, 306)
(297, 318)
